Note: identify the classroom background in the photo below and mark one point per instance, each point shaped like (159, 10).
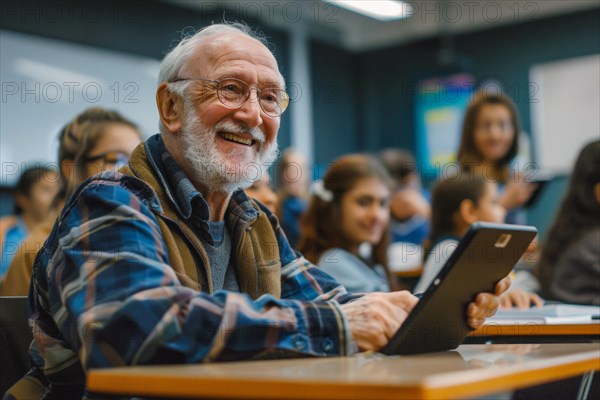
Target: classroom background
(356, 82)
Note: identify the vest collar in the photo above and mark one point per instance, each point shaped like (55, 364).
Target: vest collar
(182, 194)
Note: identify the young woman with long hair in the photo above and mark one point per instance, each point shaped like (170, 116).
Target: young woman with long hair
(349, 207)
(489, 144)
(569, 268)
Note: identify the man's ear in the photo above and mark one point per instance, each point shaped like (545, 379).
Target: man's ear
(467, 211)
(170, 108)
(597, 192)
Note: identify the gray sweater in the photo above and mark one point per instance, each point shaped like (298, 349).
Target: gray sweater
(352, 272)
(577, 273)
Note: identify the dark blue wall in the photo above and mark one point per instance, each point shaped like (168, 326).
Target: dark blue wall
(336, 109)
(387, 79)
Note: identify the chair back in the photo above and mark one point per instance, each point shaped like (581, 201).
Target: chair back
(15, 338)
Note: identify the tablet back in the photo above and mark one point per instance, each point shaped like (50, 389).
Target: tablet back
(486, 254)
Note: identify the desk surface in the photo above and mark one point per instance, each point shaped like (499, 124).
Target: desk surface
(472, 370)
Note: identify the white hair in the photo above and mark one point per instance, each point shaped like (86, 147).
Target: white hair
(176, 59)
(175, 62)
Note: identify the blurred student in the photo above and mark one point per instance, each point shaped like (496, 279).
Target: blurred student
(410, 203)
(292, 179)
(457, 203)
(349, 207)
(569, 267)
(489, 143)
(34, 192)
(410, 208)
(94, 141)
(261, 190)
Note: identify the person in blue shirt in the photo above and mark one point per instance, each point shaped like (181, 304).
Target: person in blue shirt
(293, 180)
(410, 204)
(457, 203)
(34, 193)
(488, 147)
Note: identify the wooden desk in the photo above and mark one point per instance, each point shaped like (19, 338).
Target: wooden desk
(535, 333)
(472, 370)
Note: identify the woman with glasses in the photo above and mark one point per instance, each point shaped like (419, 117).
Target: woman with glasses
(489, 143)
(94, 141)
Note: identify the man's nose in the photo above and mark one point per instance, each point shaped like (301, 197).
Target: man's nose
(250, 111)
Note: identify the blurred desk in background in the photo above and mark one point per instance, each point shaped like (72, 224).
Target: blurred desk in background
(409, 273)
(535, 333)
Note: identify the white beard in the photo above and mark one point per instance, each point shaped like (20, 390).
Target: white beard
(220, 172)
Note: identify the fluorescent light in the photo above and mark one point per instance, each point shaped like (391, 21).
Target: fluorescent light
(383, 10)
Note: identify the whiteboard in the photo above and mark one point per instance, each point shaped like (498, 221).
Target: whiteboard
(46, 82)
(565, 110)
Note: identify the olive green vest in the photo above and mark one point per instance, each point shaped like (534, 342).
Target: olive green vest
(255, 252)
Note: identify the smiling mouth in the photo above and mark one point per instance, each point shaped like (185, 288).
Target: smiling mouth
(230, 137)
(371, 229)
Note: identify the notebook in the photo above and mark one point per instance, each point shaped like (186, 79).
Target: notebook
(547, 314)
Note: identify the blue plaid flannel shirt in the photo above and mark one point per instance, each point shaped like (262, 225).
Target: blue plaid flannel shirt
(103, 293)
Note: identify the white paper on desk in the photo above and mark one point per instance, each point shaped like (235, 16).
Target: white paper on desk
(404, 256)
(550, 310)
(568, 320)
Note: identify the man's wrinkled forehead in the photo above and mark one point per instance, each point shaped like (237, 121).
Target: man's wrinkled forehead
(234, 52)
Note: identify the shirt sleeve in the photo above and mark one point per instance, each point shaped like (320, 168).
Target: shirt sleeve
(109, 277)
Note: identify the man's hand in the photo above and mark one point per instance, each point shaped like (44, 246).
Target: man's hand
(486, 304)
(375, 317)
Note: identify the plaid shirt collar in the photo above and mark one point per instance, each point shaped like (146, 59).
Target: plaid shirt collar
(188, 201)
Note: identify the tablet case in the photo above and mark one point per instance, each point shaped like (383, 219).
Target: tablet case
(439, 322)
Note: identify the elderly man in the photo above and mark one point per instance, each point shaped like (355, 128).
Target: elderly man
(169, 262)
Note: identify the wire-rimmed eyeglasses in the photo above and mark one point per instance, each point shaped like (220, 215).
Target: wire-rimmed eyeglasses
(234, 93)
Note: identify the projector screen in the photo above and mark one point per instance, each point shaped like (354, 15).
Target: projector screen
(565, 110)
(45, 83)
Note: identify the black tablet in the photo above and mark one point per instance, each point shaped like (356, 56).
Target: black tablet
(486, 254)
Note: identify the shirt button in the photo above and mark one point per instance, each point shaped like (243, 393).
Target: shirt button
(327, 345)
(299, 342)
(248, 228)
